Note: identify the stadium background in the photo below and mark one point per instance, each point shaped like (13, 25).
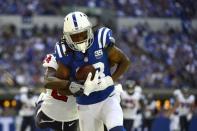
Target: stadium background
(159, 36)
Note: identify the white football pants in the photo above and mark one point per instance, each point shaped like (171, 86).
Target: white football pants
(109, 112)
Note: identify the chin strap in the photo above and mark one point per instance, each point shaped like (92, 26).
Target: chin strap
(82, 47)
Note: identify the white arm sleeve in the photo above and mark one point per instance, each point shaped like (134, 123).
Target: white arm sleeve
(50, 61)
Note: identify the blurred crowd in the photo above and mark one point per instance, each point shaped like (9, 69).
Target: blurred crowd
(165, 58)
(21, 56)
(136, 8)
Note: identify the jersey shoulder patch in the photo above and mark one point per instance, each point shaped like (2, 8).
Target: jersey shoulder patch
(50, 61)
(104, 37)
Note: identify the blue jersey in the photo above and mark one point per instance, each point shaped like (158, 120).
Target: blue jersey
(95, 55)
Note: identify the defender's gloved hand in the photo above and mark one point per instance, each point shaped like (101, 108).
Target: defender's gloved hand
(91, 85)
(76, 88)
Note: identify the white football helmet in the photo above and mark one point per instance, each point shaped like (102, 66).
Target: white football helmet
(177, 92)
(78, 31)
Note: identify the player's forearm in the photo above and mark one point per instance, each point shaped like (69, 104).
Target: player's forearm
(64, 92)
(52, 82)
(122, 67)
(64, 87)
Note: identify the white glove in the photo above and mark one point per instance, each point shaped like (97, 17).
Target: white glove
(104, 83)
(76, 88)
(90, 85)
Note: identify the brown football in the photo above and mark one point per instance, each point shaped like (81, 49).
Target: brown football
(83, 72)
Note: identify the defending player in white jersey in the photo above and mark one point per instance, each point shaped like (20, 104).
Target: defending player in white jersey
(96, 98)
(27, 100)
(185, 108)
(131, 107)
(54, 110)
(148, 111)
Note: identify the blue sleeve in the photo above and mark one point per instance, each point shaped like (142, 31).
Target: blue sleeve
(110, 41)
(105, 37)
(61, 55)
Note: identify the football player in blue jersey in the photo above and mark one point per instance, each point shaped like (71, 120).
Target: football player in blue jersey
(97, 100)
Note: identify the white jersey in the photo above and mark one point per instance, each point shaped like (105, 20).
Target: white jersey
(185, 103)
(131, 104)
(56, 106)
(28, 105)
(59, 108)
(150, 107)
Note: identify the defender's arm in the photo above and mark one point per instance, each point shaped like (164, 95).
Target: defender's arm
(116, 56)
(53, 82)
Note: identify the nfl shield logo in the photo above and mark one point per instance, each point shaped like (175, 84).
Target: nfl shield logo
(98, 54)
